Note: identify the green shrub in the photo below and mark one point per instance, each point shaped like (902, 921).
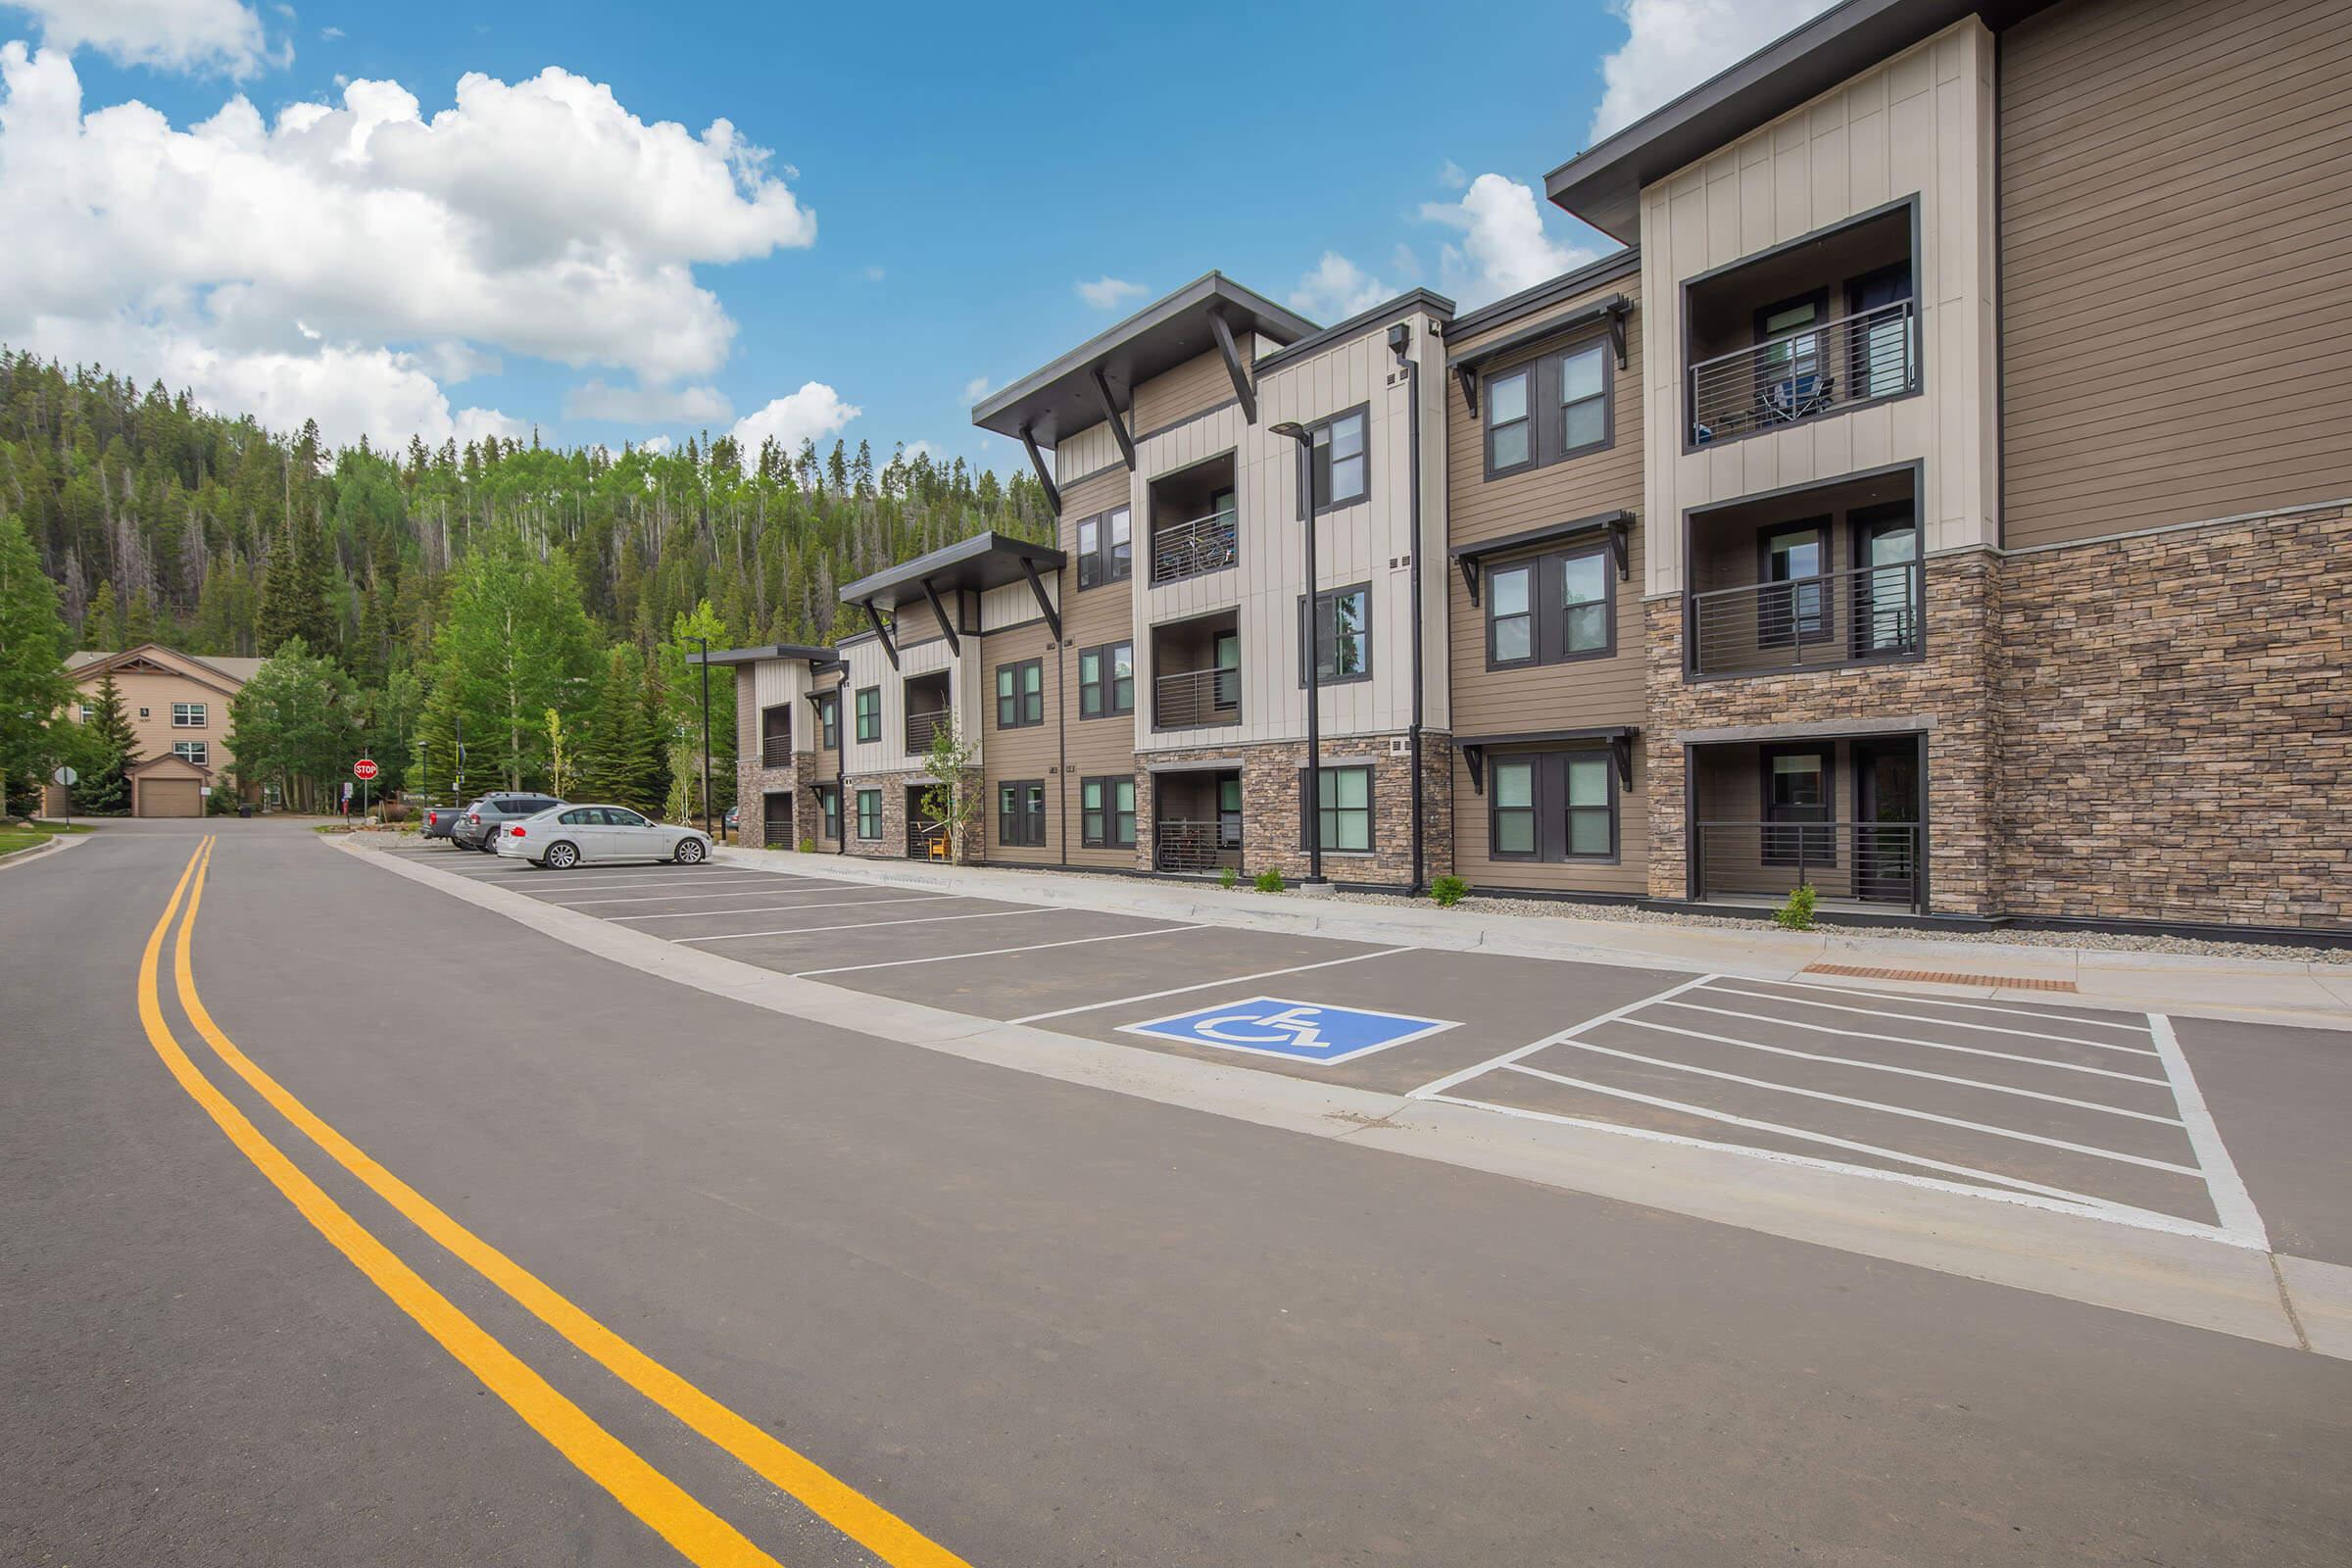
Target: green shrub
(1227, 877)
(1268, 881)
(1797, 913)
(1448, 891)
(808, 846)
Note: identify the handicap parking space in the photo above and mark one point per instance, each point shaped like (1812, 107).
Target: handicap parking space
(2070, 1107)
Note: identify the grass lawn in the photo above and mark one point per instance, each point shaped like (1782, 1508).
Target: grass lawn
(13, 839)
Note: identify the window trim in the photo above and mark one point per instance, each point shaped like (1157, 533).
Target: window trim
(1547, 414)
(1098, 826)
(828, 810)
(875, 837)
(1313, 428)
(1307, 650)
(1547, 639)
(857, 709)
(1018, 696)
(1825, 526)
(1527, 418)
(1551, 812)
(828, 721)
(201, 755)
(1027, 816)
(1371, 807)
(1099, 557)
(196, 715)
(1106, 681)
(1826, 753)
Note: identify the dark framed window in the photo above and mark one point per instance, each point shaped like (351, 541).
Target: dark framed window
(1793, 603)
(1552, 806)
(1887, 614)
(1342, 466)
(1021, 814)
(1580, 378)
(1344, 807)
(1106, 812)
(828, 808)
(1229, 813)
(1342, 627)
(870, 814)
(1553, 609)
(1510, 425)
(828, 721)
(1021, 694)
(1547, 410)
(869, 713)
(1106, 548)
(1800, 786)
(1106, 680)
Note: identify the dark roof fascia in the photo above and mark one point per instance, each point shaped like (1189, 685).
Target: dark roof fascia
(1603, 184)
(753, 656)
(967, 559)
(1591, 314)
(1354, 326)
(1537, 737)
(1618, 519)
(1007, 410)
(1543, 296)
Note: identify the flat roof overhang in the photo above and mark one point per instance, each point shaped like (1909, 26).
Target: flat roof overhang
(1061, 398)
(1603, 184)
(752, 656)
(983, 562)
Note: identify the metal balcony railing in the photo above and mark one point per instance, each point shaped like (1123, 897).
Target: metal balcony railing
(923, 726)
(1179, 845)
(1196, 548)
(922, 836)
(775, 751)
(1841, 617)
(1196, 699)
(1799, 375)
(1868, 862)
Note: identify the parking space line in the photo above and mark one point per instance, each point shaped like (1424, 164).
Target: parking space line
(1207, 985)
(763, 884)
(2230, 1200)
(736, 893)
(775, 909)
(993, 953)
(1973, 1007)
(1843, 1033)
(1908, 1072)
(862, 925)
(1948, 1023)
(1432, 1091)
(1870, 1104)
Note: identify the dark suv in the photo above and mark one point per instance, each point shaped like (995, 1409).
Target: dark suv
(477, 828)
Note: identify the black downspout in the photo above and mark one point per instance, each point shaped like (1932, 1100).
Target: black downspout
(1398, 336)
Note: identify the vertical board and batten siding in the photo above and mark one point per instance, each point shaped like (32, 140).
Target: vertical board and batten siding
(1369, 542)
(2177, 262)
(1920, 123)
(1090, 617)
(1082, 454)
(1015, 603)
(1198, 383)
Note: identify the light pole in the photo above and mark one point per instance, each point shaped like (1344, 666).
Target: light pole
(705, 664)
(1314, 724)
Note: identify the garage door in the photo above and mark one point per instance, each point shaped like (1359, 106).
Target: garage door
(171, 797)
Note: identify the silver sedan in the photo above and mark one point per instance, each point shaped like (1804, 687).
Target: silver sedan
(577, 835)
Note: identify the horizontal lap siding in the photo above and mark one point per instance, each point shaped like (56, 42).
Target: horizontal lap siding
(1101, 614)
(1198, 384)
(2175, 208)
(1629, 875)
(1030, 752)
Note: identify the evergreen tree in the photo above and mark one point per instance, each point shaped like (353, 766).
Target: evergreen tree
(34, 732)
(516, 644)
(105, 787)
(620, 760)
(295, 724)
(101, 626)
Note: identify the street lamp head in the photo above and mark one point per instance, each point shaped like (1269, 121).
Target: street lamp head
(1292, 428)
(1401, 338)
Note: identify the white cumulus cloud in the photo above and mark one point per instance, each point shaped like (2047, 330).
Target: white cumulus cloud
(1108, 293)
(1671, 46)
(646, 404)
(1338, 288)
(975, 389)
(221, 36)
(1504, 247)
(811, 413)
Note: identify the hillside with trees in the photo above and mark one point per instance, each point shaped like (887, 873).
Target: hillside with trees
(526, 599)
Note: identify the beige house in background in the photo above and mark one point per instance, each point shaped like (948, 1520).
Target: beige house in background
(177, 706)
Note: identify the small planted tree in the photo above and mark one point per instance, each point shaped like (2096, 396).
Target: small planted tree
(952, 799)
(560, 764)
(1797, 913)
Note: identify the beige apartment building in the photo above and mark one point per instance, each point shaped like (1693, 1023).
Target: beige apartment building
(177, 706)
(1940, 499)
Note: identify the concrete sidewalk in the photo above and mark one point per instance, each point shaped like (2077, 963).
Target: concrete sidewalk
(2311, 993)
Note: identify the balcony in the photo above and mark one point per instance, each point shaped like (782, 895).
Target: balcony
(1846, 816)
(1194, 521)
(1196, 679)
(1821, 577)
(1197, 826)
(1806, 331)
(929, 711)
(775, 736)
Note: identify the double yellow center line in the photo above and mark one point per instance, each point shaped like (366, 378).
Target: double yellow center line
(666, 1509)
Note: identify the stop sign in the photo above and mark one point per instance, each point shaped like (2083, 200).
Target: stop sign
(365, 767)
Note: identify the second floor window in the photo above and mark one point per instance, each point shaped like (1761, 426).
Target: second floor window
(828, 724)
(1106, 680)
(1342, 471)
(1343, 629)
(187, 715)
(869, 712)
(1021, 694)
(1552, 608)
(1106, 548)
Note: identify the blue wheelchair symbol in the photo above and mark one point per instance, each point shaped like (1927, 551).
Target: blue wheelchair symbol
(1303, 1031)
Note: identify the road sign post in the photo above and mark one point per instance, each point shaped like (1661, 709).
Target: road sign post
(64, 778)
(364, 771)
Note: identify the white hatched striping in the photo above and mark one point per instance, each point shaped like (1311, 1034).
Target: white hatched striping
(1973, 1007)
(1930, 1045)
(1945, 1024)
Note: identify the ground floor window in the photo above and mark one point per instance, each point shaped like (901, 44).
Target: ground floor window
(828, 806)
(1106, 812)
(869, 814)
(1552, 806)
(1343, 805)
(1021, 814)
(1798, 789)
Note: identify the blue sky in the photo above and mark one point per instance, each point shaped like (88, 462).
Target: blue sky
(964, 177)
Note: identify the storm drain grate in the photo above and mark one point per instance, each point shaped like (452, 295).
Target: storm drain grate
(1935, 977)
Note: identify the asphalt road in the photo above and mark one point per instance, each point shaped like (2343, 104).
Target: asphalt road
(1036, 1323)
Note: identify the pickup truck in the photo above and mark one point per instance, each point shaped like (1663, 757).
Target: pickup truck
(436, 821)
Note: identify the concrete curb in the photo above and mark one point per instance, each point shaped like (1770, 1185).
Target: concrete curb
(56, 846)
(2178, 1278)
(2297, 992)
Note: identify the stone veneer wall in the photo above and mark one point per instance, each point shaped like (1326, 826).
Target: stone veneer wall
(1950, 688)
(2176, 715)
(892, 844)
(753, 781)
(1271, 799)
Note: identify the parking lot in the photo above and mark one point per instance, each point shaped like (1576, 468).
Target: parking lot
(2077, 1109)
